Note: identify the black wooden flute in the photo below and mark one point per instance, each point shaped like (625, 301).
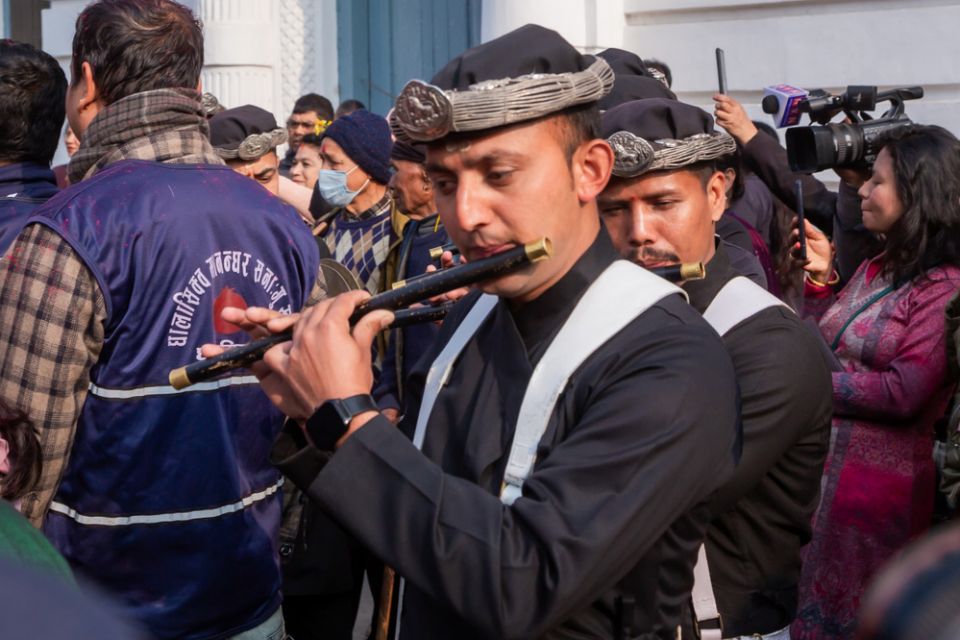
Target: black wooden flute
(438, 283)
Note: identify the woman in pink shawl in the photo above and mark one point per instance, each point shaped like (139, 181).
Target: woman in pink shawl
(886, 328)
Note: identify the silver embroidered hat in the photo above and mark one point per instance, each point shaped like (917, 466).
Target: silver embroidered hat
(658, 134)
(245, 133)
(528, 73)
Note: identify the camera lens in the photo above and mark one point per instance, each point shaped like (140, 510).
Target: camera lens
(848, 144)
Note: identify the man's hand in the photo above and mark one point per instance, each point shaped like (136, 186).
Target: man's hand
(446, 262)
(324, 361)
(731, 115)
(255, 321)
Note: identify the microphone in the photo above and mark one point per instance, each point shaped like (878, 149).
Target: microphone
(782, 101)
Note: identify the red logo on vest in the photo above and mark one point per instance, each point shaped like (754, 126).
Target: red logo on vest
(226, 298)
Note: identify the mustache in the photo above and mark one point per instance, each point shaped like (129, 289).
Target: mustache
(646, 255)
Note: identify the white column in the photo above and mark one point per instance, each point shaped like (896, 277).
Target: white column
(3, 18)
(589, 25)
(241, 51)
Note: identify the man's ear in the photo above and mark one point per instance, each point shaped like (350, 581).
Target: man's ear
(90, 94)
(592, 166)
(717, 195)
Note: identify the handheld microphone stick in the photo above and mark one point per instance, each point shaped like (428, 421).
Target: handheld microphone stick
(721, 71)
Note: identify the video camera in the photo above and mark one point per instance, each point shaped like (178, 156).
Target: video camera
(815, 148)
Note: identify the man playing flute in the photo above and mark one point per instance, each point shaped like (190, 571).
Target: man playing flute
(661, 208)
(560, 439)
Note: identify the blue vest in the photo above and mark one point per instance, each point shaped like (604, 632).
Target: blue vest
(23, 187)
(168, 500)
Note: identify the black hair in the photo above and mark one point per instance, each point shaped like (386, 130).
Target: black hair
(349, 106)
(734, 162)
(662, 67)
(32, 90)
(582, 124)
(316, 103)
(25, 456)
(926, 166)
(138, 45)
(313, 139)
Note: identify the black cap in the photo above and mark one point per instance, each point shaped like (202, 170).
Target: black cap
(659, 134)
(529, 49)
(231, 128)
(632, 81)
(658, 119)
(523, 75)
(409, 152)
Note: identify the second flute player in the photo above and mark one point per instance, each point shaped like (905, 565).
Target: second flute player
(539, 484)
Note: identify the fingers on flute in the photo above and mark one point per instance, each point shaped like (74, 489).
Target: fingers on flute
(211, 350)
(370, 325)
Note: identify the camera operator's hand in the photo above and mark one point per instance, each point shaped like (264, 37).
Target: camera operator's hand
(731, 115)
(819, 252)
(853, 177)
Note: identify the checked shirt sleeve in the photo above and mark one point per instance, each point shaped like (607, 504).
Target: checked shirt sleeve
(52, 316)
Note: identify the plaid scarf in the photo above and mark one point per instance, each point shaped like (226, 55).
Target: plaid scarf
(162, 125)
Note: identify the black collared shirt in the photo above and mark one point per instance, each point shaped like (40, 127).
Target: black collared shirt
(614, 510)
(762, 514)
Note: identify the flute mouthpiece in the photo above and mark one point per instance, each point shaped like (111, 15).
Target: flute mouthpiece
(693, 271)
(538, 250)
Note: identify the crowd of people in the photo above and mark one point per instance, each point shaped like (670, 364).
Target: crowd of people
(699, 415)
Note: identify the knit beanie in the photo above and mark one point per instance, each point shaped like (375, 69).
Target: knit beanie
(365, 137)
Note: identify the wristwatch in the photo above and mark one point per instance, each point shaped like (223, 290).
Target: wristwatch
(332, 419)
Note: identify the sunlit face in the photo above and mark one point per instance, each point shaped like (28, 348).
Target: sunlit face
(264, 170)
(70, 141)
(413, 188)
(306, 165)
(880, 203)
(299, 125)
(334, 158)
(512, 187)
(663, 218)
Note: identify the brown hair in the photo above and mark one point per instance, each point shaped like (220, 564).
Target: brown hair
(25, 455)
(138, 45)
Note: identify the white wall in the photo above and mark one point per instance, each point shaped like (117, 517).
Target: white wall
(807, 43)
(590, 25)
(825, 44)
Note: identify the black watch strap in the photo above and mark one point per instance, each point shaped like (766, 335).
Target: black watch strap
(332, 419)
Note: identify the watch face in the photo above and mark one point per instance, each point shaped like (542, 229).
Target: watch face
(326, 426)
(331, 420)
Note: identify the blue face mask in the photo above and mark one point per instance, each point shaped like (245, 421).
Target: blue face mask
(333, 187)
